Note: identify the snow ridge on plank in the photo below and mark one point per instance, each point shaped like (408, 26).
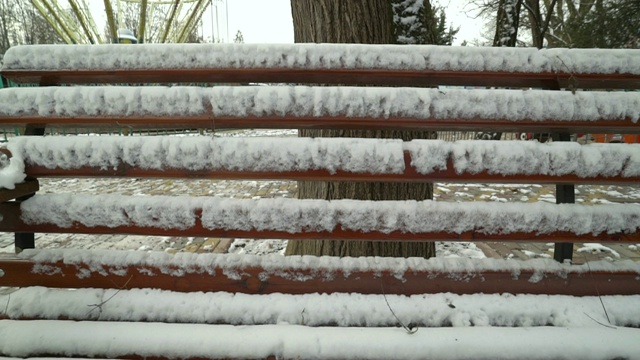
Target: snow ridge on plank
(180, 263)
(116, 339)
(321, 56)
(295, 216)
(376, 156)
(525, 157)
(372, 156)
(339, 309)
(317, 102)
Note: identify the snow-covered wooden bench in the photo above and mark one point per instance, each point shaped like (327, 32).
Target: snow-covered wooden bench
(299, 307)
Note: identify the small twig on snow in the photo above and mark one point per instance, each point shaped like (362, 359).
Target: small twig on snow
(99, 306)
(406, 328)
(6, 308)
(599, 297)
(572, 79)
(605, 325)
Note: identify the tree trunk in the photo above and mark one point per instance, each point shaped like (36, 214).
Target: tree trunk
(535, 19)
(367, 22)
(507, 23)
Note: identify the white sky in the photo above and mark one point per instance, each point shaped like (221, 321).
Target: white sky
(270, 21)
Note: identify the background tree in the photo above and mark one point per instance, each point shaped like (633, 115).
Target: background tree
(155, 23)
(563, 23)
(508, 17)
(21, 24)
(239, 39)
(595, 23)
(507, 23)
(418, 22)
(364, 22)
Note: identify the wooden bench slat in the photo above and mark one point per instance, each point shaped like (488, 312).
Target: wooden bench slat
(318, 219)
(624, 126)
(328, 159)
(180, 341)
(308, 275)
(328, 76)
(409, 175)
(336, 309)
(322, 107)
(405, 65)
(30, 186)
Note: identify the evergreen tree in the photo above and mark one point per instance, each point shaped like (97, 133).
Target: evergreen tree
(417, 22)
(597, 24)
(239, 39)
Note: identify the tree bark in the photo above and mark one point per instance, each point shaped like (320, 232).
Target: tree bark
(507, 23)
(367, 22)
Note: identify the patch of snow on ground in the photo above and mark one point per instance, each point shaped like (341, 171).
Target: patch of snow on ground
(547, 198)
(258, 247)
(601, 201)
(597, 248)
(533, 254)
(458, 249)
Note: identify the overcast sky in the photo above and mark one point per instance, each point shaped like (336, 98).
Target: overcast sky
(269, 21)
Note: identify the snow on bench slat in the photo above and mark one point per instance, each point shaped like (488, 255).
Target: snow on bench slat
(113, 339)
(297, 216)
(98, 261)
(320, 56)
(430, 310)
(318, 102)
(377, 156)
(525, 157)
(373, 156)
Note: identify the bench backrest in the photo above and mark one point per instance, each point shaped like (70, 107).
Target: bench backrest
(539, 107)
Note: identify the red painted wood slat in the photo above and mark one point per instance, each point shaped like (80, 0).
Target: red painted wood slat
(207, 121)
(450, 175)
(329, 76)
(12, 222)
(252, 280)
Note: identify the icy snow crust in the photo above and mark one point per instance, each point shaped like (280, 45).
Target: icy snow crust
(318, 102)
(296, 216)
(320, 56)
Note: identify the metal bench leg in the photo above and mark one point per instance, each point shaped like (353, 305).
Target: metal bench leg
(565, 194)
(27, 240)
(24, 240)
